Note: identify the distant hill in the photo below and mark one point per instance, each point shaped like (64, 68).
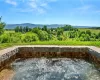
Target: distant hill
(12, 26)
(95, 28)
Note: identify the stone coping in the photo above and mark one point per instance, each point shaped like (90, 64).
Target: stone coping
(90, 49)
(4, 51)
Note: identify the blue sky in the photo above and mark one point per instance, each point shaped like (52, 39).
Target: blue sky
(73, 12)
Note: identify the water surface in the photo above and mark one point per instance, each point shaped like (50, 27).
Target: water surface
(54, 69)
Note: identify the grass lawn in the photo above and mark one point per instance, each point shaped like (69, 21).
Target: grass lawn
(72, 43)
(92, 30)
(11, 31)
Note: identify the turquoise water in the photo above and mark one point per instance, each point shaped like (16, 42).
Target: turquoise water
(54, 69)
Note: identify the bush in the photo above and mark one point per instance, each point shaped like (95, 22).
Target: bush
(30, 37)
(15, 37)
(60, 38)
(85, 37)
(72, 34)
(2, 25)
(43, 35)
(4, 38)
(88, 32)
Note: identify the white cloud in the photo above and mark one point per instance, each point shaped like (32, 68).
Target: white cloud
(31, 5)
(11, 2)
(39, 5)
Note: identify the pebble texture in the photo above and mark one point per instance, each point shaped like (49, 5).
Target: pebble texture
(89, 53)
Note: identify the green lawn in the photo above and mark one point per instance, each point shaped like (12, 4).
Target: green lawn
(74, 43)
(92, 30)
(11, 31)
(81, 29)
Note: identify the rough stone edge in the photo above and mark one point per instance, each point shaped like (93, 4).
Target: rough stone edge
(7, 53)
(94, 51)
(13, 50)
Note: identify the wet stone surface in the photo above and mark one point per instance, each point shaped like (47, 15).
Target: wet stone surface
(54, 69)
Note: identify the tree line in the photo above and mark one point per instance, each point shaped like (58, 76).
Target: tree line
(63, 33)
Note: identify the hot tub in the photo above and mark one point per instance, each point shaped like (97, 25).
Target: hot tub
(50, 63)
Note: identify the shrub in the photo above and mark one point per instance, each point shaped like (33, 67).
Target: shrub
(30, 37)
(4, 38)
(43, 35)
(15, 37)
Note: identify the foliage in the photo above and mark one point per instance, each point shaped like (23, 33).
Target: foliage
(69, 28)
(36, 30)
(4, 38)
(44, 28)
(59, 31)
(10, 38)
(88, 32)
(29, 37)
(2, 25)
(43, 35)
(22, 29)
(65, 33)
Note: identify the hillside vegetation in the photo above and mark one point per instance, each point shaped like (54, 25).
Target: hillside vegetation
(62, 35)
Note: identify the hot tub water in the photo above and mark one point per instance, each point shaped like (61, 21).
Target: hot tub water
(54, 69)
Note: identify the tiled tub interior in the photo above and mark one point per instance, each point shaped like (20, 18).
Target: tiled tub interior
(50, 63)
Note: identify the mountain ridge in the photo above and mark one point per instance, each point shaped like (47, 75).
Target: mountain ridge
(12, 26)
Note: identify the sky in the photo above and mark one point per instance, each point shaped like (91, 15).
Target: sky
(73, 12)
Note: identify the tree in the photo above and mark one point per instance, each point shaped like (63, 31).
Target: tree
(27, 28)
(88, 32)
(85, 37)
(2, 25)
(44, 28)
(30, 37)
(17, 29)
(81, 33)
(15, 37)
(5, 38)
(99, 34)
(59, 31)
(24, 29)
(72, 34)
(43, 35)
(68, 28)
(60, 37)
(36, 30)
(21, 29)
(0, 18)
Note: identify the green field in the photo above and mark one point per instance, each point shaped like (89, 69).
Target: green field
(92, 30)
(81, 29)
(11, 31)
(67, 43)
